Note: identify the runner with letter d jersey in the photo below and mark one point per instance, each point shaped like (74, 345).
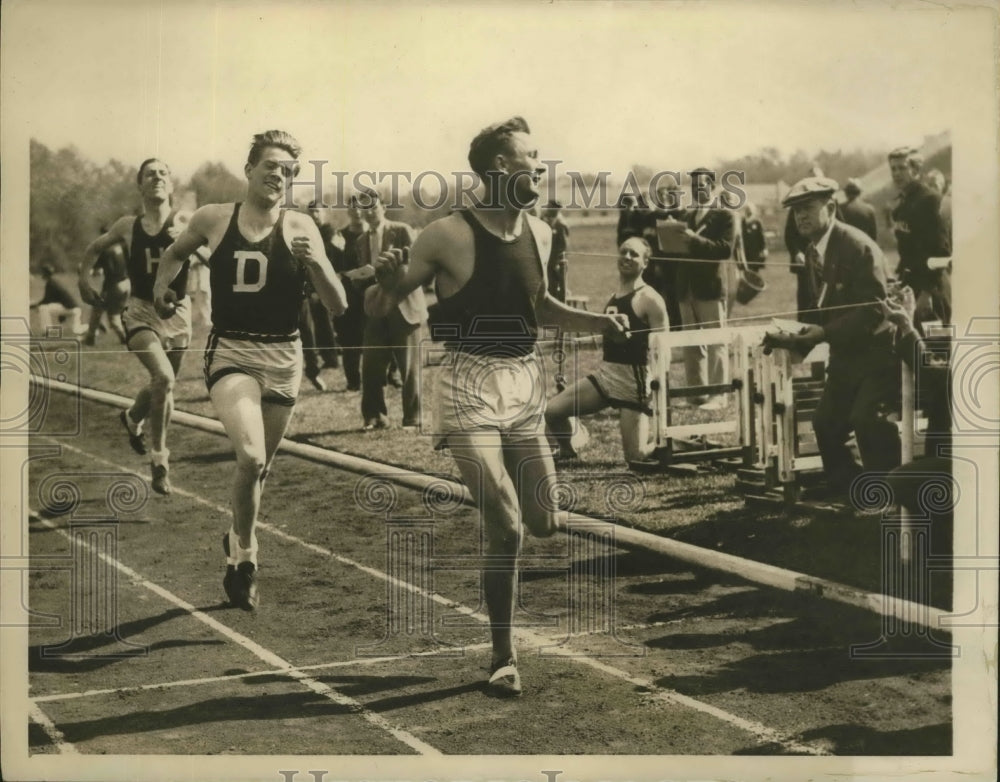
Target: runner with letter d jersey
(261, 257)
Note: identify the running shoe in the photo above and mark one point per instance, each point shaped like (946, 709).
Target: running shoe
(136, 440)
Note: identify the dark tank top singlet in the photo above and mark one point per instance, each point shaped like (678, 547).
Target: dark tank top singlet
(619, 349)
(257, 287)
(493, 314)
(144, 257)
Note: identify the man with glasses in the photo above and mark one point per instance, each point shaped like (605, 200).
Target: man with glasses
(395, 335)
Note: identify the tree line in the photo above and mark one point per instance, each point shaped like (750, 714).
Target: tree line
(72, 198)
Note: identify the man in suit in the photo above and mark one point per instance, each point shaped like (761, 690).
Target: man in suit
(557, 266)
(845, 279)
(395, 335)
(754, 239)
(315, 323)
(661, 272)
(701, 288)
(858, 212)
(920, 233)
(936, 181)
(350, 325)
(631, 218)
(796, 244)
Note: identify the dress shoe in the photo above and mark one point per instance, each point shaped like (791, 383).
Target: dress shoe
(381, 422)
(316, 380)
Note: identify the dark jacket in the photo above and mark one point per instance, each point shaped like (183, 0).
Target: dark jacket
(794, 241)
(714, 242)
(920, 234)
(754, 243)
(631, 222)
(412, 307)
(854, 274)
(860, 214)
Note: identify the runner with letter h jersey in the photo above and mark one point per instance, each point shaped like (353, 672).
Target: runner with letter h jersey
(159, 343)
(261, 257)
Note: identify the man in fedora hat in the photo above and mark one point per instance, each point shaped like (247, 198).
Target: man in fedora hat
(844, 277)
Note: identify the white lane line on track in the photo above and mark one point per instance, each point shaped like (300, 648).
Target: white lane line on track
(55, 735)
(66, 696)
(760, 731)
(315, 548)
(259, 651)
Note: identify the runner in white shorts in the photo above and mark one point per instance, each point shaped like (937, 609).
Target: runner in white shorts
(174, 333)
(260, 258)
(489, 393)
(621, 381)
(275, 365)
(158, 343)
(488, 263)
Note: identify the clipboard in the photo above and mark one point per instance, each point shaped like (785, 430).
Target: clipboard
(671, 236)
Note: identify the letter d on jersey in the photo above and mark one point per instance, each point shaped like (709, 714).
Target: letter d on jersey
(242, 256)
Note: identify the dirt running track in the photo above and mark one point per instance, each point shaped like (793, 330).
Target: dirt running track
(696, 664)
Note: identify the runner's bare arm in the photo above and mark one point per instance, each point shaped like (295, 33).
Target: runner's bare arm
(190, 239)
(306, 245)
(649, 306)
(399, 272)
(552, 311)
(549, 309)
(115, 234)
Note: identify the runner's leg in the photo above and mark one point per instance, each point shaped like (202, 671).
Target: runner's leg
(530, 465)
(236, 398)
(582, 398)
(147, 348)
(634, 427)
(276, 418)
(480, 460)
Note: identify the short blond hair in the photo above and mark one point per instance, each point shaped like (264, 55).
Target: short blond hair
(273, 138)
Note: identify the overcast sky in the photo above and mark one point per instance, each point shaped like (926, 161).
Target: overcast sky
(396, 86)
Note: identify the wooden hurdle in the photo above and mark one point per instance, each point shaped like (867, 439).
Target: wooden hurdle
(689, 442)
(774, 450)
(782, 451)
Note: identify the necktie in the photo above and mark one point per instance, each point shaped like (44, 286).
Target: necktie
(813, 261)
(814, 268)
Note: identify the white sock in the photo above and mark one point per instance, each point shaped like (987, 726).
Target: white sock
(234, 541)
(246, 554)
(159, 457)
